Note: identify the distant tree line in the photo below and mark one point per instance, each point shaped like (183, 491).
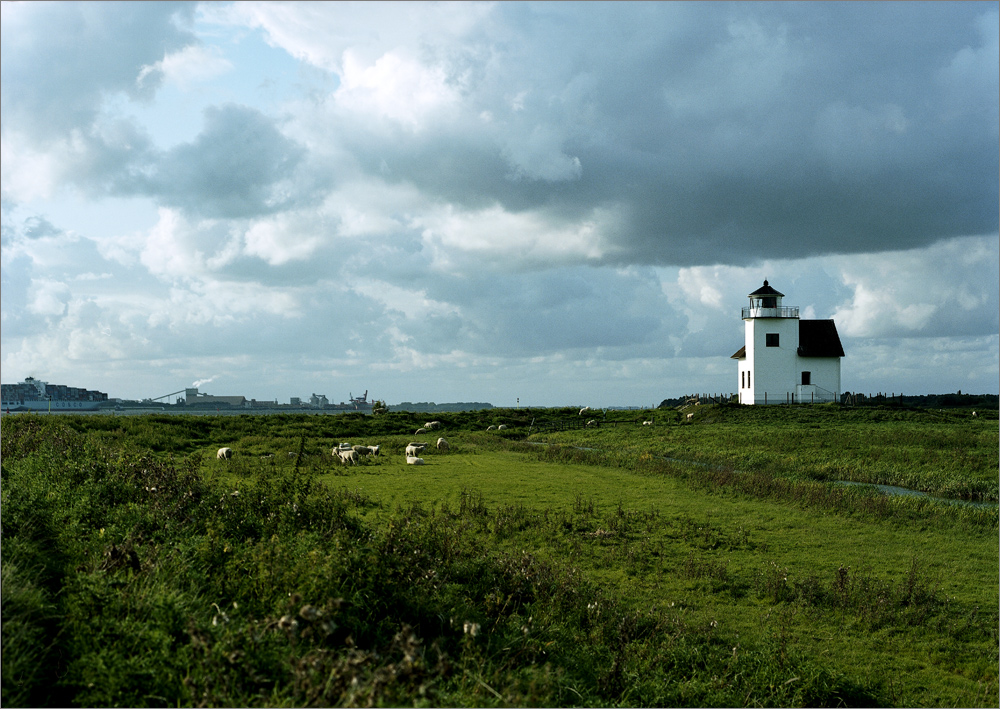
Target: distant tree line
(930, 401)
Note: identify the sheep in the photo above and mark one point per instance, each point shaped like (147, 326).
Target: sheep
(583, 410)
(647, 423)
(690, 416)
(415, 448)
(419, 431)
(442, 445)
(491, 428)
(224, 454)
(432, 425)
(349, 456)
(413, 460)
(501, 427)
(591, 422)
(374, 449)
(362, 450)
(973, 414)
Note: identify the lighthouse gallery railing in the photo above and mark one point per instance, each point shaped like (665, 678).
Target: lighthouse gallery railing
(782, 312)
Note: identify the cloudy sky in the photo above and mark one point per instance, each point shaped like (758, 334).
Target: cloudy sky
(544, 204)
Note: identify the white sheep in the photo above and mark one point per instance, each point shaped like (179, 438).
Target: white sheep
(583, 410)
(591, 422)
(224, 454)
(491, 428)
(349, 456)
(647, 423)
(375, 449)
(501, 427)
(432, 424)
(690, 416)
(973, 414)
(413, 460)
(442, 445)
(419, 431)
(415, 448)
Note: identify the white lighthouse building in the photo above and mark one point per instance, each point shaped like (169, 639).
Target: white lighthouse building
(785, 359)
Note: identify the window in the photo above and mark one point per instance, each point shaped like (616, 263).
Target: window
(806, 378)
(769, 302)
(771, 339)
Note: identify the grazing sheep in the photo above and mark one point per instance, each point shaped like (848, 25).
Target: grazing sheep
(491, 428)
(350, 456)
(973, 414)
(413, 460)
(374, 449)
(224, 454)
(591, 422)
(415, 448)
(362, 450)
(690, 416)
(501, 427)
(583, 410)
(432, 424)
(442, 445)
(647, 423)
(420, 430)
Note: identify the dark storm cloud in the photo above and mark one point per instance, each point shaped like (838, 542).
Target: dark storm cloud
(728, 132)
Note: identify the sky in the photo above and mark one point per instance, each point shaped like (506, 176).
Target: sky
(533, 204)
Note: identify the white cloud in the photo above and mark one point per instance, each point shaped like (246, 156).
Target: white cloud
(27, 173)
(49, 299)
(284, 238)
(191, 65)
(525, 239)
(947, 289)
(394, 87)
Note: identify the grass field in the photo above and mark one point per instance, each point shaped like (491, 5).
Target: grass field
(530, 566)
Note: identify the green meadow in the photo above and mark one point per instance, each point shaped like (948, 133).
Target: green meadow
(711, 560)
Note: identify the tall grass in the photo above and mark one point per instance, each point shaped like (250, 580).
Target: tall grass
(142, 572)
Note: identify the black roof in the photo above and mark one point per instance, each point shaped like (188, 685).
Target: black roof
(766, 290)
(819, 338)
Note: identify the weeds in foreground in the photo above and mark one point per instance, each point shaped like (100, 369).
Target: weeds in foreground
(129, 579)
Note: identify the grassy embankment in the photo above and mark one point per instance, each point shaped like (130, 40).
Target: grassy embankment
(139, 570)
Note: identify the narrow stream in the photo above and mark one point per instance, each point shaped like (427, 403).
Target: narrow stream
(885, 489)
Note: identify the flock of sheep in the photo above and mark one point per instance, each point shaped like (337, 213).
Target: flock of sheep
(348, 454)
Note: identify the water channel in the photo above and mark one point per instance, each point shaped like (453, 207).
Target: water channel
(891, 490)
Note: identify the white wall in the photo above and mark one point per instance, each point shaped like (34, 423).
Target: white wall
(774, 370)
